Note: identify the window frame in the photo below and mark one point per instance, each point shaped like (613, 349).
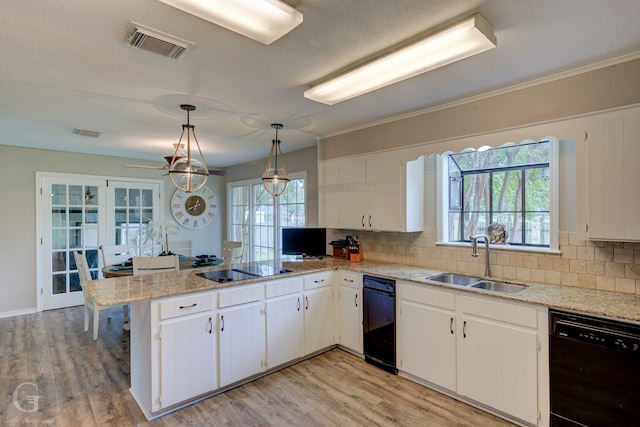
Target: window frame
(248, 244)
(442, 201)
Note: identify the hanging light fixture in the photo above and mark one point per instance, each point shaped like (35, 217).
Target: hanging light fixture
(275, 178)
(188, 174)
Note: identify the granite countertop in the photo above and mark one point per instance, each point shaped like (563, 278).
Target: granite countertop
(123, 290)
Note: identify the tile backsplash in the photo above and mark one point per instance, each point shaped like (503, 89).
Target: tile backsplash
(611, 266)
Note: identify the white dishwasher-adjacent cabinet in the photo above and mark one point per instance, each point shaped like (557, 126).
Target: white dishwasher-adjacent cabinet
(426, 323)
(349, 319)
(499, 347)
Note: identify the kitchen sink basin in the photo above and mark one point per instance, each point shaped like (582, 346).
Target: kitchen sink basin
(497, 286)
(454, 279)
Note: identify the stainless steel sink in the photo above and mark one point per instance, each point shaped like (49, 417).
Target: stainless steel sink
(454, 279)
(498, 286)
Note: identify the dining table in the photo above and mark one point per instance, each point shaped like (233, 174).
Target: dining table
(126, 269)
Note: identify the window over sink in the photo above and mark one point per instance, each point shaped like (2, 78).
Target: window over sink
(511, 188)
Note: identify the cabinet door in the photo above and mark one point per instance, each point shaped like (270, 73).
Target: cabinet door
(241, 342)
(353, 210)
(350, 318)
(427, 343)
(285, 332)
(187, 358)
(497, 366)
(384, 192)
(330, 195)
(612, 157)
(318, 319)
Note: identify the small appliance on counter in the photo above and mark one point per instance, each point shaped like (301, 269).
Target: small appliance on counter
(348, 248)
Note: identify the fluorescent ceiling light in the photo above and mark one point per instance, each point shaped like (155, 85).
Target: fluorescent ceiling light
(261, 20)
(461, 40)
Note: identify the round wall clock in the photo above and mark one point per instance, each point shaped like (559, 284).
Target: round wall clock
(194, 210)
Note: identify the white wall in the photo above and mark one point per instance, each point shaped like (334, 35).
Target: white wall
(18, 216)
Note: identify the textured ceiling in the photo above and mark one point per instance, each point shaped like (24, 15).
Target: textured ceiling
(66, 65)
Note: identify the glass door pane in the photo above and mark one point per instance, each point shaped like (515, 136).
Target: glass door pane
(70, 222)
(132, 207)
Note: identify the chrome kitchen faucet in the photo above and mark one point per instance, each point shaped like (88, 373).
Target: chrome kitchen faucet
(474, 251)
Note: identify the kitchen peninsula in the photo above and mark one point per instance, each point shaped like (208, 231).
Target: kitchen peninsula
(192, 337)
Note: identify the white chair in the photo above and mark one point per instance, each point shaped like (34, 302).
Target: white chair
(112, 255)
(232, 252)
(155, 264)
(85, 276)
(181, 247)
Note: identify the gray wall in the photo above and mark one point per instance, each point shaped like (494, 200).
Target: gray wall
(18, 213)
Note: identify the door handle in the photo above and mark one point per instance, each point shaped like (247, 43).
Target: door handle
(356, 300)
(210, 323)
(451, 326)
(298, 304)
(464, 329)
(222, 323)
(363, 220)
(369, 221)
(306, 299)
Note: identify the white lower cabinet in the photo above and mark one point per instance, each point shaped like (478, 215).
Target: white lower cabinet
(187, 358)
(241, 333)
(498, 355)
(285, 321)
(318, 311)
(481, 348)
(426, 340)
(350, 310)
(173, 350)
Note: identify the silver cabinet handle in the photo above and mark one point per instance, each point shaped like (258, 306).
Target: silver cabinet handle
(356, 300)
(363, 220)
(318, 281)
(349, 280)
(221, 323)
(464, 329)
(369, 221)
(451, 326)
(307, 301)
(185, 307)
(210, 323)
(298, 304)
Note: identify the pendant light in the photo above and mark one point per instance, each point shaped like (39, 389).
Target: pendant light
(275, 178)
(188, 174)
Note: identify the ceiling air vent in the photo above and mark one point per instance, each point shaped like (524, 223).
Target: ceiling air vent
(86, 132)
(155, 41)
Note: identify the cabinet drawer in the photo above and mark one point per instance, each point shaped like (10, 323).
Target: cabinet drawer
(427, 296)
(184, 305)
(349, 278)
(240, 295)
(277, 288)
(513, 313)
(318, 280)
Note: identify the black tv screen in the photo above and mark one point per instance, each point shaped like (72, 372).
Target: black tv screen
(304, 241)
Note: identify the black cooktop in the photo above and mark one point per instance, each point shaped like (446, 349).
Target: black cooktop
(248, 272)
(223, 276)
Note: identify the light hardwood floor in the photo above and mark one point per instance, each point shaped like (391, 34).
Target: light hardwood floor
(82, 382)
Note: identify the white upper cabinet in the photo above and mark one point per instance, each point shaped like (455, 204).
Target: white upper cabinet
(379, 192)
(612, 155)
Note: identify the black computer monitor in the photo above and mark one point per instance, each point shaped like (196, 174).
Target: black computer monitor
(306, 242)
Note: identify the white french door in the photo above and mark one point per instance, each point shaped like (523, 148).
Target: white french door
(72, 218)
(80, 213)
(132, 206)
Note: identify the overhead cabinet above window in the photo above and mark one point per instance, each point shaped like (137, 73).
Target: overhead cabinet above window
(377, 192)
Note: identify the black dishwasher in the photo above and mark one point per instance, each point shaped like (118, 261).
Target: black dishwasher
(379, 322)
(594, 371)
